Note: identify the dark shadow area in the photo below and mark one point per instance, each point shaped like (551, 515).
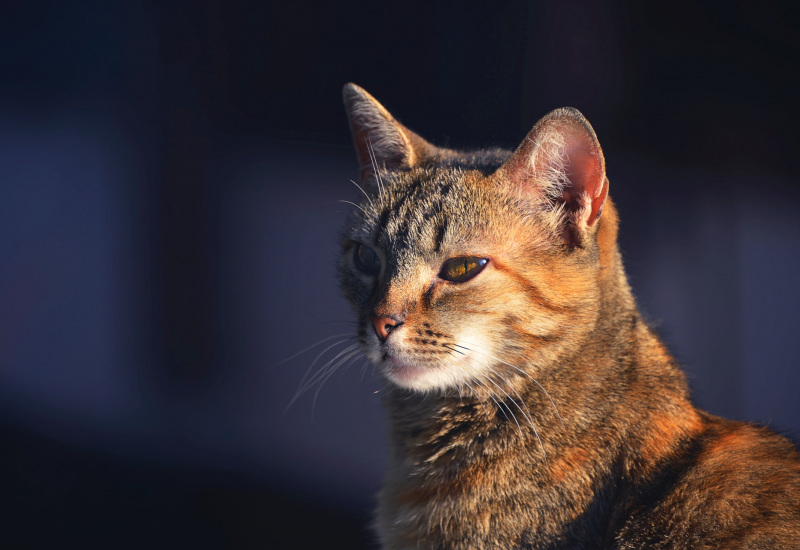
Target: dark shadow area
(60, 492)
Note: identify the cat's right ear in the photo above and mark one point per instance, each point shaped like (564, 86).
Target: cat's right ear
(560, 163)
(381, 142)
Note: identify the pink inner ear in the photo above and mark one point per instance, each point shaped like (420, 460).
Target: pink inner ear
(584, 167)
(561, 161)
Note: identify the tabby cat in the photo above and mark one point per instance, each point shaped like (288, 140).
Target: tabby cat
(529, 404)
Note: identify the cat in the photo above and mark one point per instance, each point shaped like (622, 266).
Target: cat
(529, 404)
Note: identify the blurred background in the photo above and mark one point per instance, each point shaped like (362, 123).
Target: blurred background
(169, 174)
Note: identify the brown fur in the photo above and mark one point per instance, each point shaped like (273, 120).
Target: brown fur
(531, 406)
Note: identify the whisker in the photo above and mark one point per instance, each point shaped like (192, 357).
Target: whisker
(346, 361)
(466, 382)
(455, 350)
(496, 402)
(319, 356)
(353, 204)
(363, 369)
(499, 406)
(528, 416)
(315, 378)
(309, 381)
(546, 393)
(525, 413)
(491, 396)
(312, 346)
(374, 160)
(365, 194)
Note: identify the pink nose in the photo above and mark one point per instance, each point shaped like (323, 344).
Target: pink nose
(384, 325)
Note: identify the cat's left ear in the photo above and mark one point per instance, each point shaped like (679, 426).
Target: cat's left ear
(380, 140)
(561, 161)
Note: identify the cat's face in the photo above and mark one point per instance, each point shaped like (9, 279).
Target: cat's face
(450, 277)
(456, 277)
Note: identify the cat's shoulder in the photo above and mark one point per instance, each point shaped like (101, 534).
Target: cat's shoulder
(737, 485)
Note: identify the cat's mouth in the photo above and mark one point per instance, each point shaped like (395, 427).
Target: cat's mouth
(425, 370)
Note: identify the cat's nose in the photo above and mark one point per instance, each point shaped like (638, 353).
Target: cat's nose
(384, 325)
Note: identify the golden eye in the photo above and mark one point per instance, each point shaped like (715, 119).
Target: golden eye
(366, 260)
(460, 270)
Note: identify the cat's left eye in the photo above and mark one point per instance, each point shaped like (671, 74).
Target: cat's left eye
(460, 270)
(366, 259)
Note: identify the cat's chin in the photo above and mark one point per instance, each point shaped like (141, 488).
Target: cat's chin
(417, 377)
(402, 372)
(412, 376)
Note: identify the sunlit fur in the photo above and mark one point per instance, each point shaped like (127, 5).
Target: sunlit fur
(531, 406)
(425, 217)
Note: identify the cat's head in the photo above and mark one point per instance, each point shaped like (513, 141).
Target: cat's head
(462, 266)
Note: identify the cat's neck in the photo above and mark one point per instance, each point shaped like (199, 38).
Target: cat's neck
(616, 293)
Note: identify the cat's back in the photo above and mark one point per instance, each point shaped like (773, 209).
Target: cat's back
(735, 485)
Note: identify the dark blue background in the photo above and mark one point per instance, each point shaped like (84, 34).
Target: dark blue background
(170, 173)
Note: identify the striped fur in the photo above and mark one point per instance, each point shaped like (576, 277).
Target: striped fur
(531, 406)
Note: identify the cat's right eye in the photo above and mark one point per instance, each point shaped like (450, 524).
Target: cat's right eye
(461, 270)
(366, 260)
